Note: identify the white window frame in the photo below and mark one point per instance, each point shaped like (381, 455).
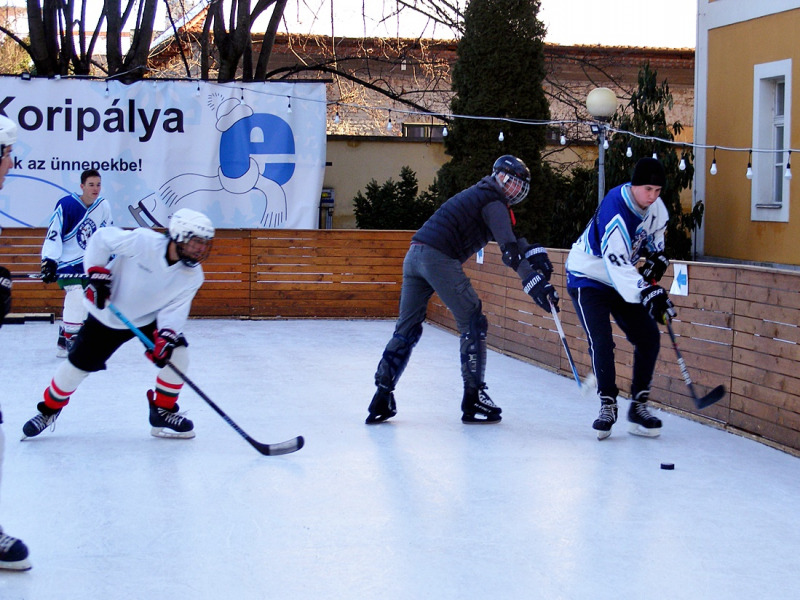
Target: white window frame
(766, 202)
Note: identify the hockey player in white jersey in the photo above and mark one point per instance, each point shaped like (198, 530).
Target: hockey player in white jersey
(152, 279)
(603, 281)
(74, 221)
(13, 551)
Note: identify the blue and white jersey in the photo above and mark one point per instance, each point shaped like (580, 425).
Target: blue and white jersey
(71, 226)
(618, 235)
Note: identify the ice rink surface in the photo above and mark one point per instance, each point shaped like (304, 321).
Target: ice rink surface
(422, 507)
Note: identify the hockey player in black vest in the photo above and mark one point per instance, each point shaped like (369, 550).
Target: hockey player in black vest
(457, 230)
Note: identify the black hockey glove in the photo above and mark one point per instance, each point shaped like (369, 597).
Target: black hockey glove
(542, 292)
(658, 304)
(5, 293)
(538, 259)
(654, 267)
(165, 342)
(49, 268)
(99, 288)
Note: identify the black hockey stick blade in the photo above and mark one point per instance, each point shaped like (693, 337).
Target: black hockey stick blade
(286, 447)
(712, 397)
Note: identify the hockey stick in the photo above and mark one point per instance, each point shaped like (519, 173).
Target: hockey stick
(38, 276)
(286, 447)
(566, 347)
(713, 396)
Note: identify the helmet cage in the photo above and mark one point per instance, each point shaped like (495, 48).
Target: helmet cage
(193, 249)
(515, 188)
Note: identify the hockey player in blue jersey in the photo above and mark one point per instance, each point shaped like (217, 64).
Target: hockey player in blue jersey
(603, 281)
(457, 230)
(74, 220)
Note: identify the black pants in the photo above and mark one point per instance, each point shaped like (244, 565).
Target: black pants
(595, 307)
(96, 343)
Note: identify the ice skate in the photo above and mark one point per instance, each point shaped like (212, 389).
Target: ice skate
(46, 418)
(478, 407)
(168, 423)
(13, 553)
(606, 418)
(642, 421)
(61, 345)
(382, 406)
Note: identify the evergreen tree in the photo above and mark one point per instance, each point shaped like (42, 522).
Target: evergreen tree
(498, 74)
(395, 204)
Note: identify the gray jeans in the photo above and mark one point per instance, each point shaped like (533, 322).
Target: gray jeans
(425, 271)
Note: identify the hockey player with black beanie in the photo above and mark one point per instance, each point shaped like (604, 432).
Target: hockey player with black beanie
(457, 230)
(603, 282)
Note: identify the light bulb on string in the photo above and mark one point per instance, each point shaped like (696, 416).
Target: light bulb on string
(563, 139)
(389, 125)
(107, 92)
(655, 155)
(444, 131)
(749, 172)
(713, 169)
(629, 152)
(682, 164)
(336, 118)
(501, 137)
(197, 93)
(605, 144)
(788, 173)
(289, 108)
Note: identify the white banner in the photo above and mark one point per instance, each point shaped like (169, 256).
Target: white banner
(249, 155)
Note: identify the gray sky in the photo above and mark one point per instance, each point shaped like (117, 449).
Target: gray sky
(655, 23)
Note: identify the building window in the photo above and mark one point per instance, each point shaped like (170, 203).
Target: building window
(423, 131)
(772, 94)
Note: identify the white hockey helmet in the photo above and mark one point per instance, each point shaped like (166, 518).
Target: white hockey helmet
(8, 131)
(192, 233)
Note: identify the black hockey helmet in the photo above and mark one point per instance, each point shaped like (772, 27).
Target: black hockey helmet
(516, 182)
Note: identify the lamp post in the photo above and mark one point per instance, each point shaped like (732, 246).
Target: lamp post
(601, 104)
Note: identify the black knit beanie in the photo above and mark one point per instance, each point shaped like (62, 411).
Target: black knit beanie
(649, 171)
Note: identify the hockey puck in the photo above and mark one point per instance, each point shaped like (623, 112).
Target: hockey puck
(668, 466)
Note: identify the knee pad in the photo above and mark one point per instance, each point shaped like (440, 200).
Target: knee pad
(395, 357)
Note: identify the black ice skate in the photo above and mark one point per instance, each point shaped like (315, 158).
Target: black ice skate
(606, 418)
(13, 553)
(477, 407)
(168, 423)
(642, 421)
(61, 346)
(382, 406)
(46, 418)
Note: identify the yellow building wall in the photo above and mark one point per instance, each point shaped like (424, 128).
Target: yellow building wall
(354, 162)
(733, 51)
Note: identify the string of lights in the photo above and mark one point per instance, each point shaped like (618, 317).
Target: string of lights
(561, 124)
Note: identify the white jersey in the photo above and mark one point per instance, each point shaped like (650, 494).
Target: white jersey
(617, 236)
(144, 287)
(71, 226)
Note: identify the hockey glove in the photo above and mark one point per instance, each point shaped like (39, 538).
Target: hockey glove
(658, 304)
(99, 288)
(538, 259)
(165, 341)
(49, 268)
(654, 267)
(5, 293)
(542, 292)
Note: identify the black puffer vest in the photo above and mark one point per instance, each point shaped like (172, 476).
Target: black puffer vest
(457, 228)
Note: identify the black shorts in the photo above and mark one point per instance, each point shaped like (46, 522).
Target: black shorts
(96, 343)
